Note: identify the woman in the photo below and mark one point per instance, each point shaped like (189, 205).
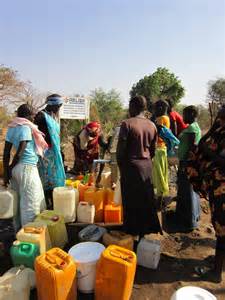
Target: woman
(188, 202)
(87, 145)
(135, 148)
(206, 171)
(160, 162)
(51, 167)
(28, 141)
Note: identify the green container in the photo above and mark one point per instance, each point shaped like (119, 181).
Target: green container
(23, 253)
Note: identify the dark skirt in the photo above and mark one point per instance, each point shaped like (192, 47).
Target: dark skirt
(139, 209)
(217, 204)
(188, 202)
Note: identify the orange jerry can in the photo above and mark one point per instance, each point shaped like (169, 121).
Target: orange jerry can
(112, 214)
(82, 188)
(110, 196)
(96, 197)
(55, 276)
(115, 274)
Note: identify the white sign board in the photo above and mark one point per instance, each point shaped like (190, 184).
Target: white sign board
(76, 108)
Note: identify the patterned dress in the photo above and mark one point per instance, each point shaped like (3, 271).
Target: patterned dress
(206, 171)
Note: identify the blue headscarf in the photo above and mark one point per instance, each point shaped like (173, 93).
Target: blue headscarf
(54, 101)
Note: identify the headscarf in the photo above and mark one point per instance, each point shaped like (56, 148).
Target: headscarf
(38, 136)
(93, 129)
(56, 100)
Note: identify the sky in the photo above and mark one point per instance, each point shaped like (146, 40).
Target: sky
(71, 46)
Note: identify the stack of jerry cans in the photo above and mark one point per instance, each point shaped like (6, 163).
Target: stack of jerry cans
(56, 276)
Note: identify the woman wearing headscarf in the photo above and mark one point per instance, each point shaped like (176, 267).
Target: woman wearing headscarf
(206, 171)
(87, 145)
(23, 174)
(135, 149)
(51, 167)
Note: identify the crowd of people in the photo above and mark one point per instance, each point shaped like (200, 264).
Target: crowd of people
(140, 147)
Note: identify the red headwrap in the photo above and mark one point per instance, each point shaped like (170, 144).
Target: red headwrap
(93, 129)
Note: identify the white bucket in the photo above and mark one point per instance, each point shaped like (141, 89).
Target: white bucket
(192, 293)
(86, 256)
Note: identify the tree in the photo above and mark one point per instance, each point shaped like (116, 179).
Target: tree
(94, 116)
(216, 91)
(162, 84)
(31, 96)
(4, 117)
(11, 86)
(216, 96)
(108, 106)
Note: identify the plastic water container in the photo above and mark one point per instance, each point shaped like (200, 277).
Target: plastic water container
(24, 254)
(37, 234)
(112, 213)
(86, 256)
(82, 188)
(56, 227)
(16, 284)
(115, 273)
(96, 197)
(85, 212)
(148, 253)
(91, 233)
(8, 203)
(74, 183)
(65, 200)
(55, 273)
(109, 196)
(192, 293)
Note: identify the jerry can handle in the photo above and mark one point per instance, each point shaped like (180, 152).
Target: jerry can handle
(52, 260)
(25, 247)
(30, 229)
(117, 254)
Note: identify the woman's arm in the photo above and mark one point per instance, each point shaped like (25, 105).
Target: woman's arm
(122, 145)
(6, 160)
(19, 153)
(104, 145)
(153, 146)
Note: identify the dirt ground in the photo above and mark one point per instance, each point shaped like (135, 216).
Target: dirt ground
(180, 254)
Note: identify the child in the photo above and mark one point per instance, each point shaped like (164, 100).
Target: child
(160, 163)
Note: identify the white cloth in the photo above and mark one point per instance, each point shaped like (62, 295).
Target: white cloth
(26, 181)
(84, 139)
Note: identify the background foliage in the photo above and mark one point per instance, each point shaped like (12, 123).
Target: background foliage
(162, 84)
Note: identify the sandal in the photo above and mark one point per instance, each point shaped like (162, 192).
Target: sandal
(208, 274)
